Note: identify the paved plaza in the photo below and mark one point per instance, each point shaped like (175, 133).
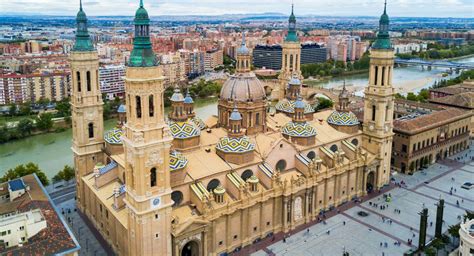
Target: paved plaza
(367, 235)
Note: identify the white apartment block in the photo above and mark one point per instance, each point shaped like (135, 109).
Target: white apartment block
(111, 80)
(16, 229)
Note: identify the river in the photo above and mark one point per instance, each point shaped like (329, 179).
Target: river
(52, 151)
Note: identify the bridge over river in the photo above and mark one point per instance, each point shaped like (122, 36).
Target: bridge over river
(435, 63)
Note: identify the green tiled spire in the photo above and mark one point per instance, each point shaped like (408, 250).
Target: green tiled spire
(383, 37)
(292, 36)
(142, 54)
(83, 40)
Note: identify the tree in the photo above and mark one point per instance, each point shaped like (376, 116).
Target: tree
(25, 109)
(12, 109)
(23, 170)
(25, 127)
(411, 96)
(44, 121)
(324, 103)
(63, 107)
(66, 174)
(4, 135)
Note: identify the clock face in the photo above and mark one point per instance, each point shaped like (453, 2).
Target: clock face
(155, 202)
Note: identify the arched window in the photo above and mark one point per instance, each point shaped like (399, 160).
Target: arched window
(333, 148)
(139, 106)
(291, 62)
(88, 78)
(373, 112)
(78, 74)
(151, 106)
(281, 165)
(311, 155)
(213, 184)
(383, 76)
(257, 119)
(246, 174)
(153, 177)
(355, 142)
(90, 128)
(376, 74)
(177, 197)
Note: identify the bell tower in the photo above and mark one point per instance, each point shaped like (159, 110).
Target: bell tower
(379, 102)
(86, 106)
(290, 56)
(147, 143)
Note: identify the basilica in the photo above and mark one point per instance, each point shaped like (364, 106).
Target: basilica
(171, 184)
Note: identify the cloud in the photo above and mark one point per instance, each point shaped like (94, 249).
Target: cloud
(399, 8)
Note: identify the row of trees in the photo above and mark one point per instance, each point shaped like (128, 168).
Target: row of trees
(66, 174)
(437, 51)
(335, 68)
(26, 126)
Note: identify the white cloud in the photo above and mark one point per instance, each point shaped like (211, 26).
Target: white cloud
(420, 8)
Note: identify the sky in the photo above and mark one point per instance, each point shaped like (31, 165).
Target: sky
(396, 8)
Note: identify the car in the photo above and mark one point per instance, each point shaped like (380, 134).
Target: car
(467, 185)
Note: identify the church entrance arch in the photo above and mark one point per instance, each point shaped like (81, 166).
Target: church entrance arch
(370, 182)
(190, 249)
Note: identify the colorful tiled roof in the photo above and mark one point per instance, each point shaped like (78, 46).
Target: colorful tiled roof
(343, 118)
(235, 145)
(177, 160)
(199, 122)
(114, 136)
(184, 130)
(298, 130)
(288, 106)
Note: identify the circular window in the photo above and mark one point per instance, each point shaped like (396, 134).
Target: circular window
(311, 155)
(213, 184)
(355, 142)
(333, 148)
(246, 174)
(281, 165)
(177, 197)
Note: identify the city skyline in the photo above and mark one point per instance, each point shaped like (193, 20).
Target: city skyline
(398, 8)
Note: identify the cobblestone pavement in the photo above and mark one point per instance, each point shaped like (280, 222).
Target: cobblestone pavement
(350, 232)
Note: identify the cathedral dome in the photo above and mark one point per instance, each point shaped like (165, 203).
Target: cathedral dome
(114, 136)
(177, 96)
(243, 50)
(141, 15)
(343, 118)
(177, 160)
(122, 109)
(245, 87)
(235, 145)
(288, 106)
(188, 99)
(294, 129)
(184, 130)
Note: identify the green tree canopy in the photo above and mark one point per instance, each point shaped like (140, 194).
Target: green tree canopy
(44, 121)
(66, 174)
(25, 127)
(23, 170)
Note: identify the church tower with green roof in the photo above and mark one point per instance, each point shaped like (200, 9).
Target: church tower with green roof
(147, 142)
(290, 57)
(86, 105)
(379, 105)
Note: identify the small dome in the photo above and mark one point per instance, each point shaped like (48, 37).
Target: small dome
(122, 109)
(114, 136)
(141, 15)
(235, 145)
(81, 16)
(294, 81)
(343, 118)
(184, 130)
(177, 96)
(235, 115)
(288, 106)
(300, 103)
(243, 88)
(177, 161)
(188, 99)
(243, 50)
(299, 130)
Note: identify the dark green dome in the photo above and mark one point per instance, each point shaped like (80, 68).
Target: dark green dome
(141, 16)
(384, 19)
(83, 41)
(81, 16)
(383, 36)
(142, 54)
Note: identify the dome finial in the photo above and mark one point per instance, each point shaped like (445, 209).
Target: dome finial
(385, 7)
(80, 5)
(141, 3)
(243, 38)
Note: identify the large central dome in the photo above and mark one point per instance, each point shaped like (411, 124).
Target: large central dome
(244, 87)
